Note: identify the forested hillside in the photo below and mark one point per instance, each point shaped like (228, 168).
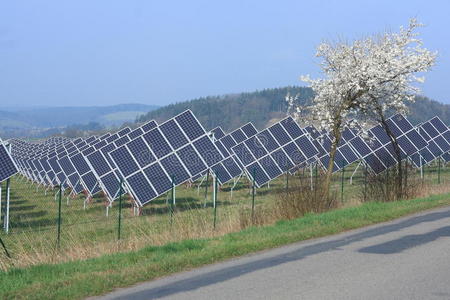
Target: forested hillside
(231, 111)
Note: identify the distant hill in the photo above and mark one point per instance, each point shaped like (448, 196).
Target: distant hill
(29, 120)
(234, 110)
(260, 107)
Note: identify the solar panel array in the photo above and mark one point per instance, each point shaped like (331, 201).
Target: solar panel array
(165, 156)
(437, 135)
(274, 151)
(152, 158)
(230, 167)
(379, 151)
(103, 167)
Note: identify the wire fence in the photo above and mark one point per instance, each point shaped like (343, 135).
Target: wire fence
(51, 225)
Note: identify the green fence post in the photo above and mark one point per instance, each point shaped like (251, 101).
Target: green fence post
(315, 182)
(439, 170)
(386, 179)
(342, 181)
(406, 173)
(119, 225)
(287, 180)
(365, 182)
(421, 170)
(173, 200)
(253, 194)
(423, 173)
(206, 187)
(7, 198)
(58, 241)
(1, 207)
(215, 202)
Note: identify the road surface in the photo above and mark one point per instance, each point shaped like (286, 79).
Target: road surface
(408, 258)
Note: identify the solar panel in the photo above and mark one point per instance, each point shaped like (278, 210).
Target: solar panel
(439, 125)
(292, 128)
(173, 134)
(161, 182)
(140, 152)
(7, 166)
(124, 161)
(255, 147)
(135, 133)
(190, 125)
(218, 133)
(149, 126)
(279, 134)
(112, 138)
(80, 164)
(99, 163)
(208, 151)
(266, 138)
(221, 173)
(249, 130)
(238, 135)
(344, 155)
(191, 160)
(157, 143)
(222, 148)
(105, 136)
(174, 167)
(90, 139)
(396, 131)
(141, 187)
(111, 184)
(124, 131)
(121, 141)
(446, 157)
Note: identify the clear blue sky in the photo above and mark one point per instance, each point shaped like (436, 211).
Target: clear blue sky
(86, 52)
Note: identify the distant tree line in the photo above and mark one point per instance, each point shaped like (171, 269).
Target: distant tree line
(260, 107)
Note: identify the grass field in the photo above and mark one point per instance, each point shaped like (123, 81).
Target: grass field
(78, 279)
(87, 234)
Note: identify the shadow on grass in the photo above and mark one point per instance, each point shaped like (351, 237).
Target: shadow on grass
(22, 208)
(17, 202)
(33, 225)
(34, 214)
(180, 207)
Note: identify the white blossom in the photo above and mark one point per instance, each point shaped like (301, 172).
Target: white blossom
(366, 79)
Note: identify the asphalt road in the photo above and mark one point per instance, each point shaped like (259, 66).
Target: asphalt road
(405, 259)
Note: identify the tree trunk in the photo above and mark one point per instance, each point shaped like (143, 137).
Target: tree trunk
(398, 154)
(327, 180)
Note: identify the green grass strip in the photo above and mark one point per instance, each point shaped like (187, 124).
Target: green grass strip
(78, 279)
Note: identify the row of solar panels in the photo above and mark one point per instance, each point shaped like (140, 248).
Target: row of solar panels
(153, 158)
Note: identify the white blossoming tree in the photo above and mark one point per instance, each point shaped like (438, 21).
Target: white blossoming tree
(366, 80)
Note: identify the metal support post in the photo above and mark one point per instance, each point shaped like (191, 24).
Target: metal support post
(119, 223)
(58, 238)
